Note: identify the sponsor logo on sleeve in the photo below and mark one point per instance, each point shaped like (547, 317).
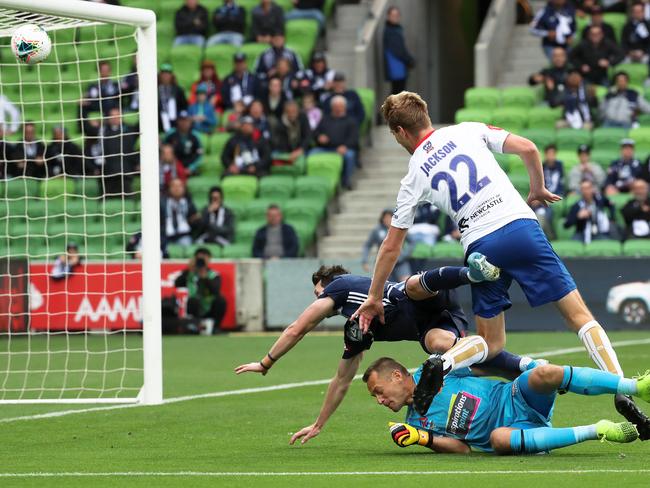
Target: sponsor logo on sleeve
(462, 410)
(428, 147)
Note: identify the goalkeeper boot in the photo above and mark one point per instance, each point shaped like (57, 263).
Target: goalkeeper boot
(622, 432)
(643, 386)
(628, 409)
(430, 383)
(480, 269)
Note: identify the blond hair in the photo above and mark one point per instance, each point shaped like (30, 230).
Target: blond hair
(407, 110)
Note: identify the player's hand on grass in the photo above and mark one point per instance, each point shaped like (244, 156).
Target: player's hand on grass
(543, 196)
(369, 309)
(251, 368)
(403, 434)
(305, 434)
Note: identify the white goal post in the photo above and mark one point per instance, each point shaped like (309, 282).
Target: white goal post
(60, 364)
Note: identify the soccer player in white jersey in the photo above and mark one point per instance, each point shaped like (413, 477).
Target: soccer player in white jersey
(454, 169)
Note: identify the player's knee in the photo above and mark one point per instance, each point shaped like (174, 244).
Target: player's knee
(547, 375)
(440, 341)
(414, 289)
(500, 441)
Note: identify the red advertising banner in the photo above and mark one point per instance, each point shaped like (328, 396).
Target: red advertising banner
(108, 296)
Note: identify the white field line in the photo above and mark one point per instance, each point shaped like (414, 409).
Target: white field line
(221, 474)
(285, 386)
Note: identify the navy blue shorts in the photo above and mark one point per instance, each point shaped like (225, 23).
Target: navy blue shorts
(523, 253)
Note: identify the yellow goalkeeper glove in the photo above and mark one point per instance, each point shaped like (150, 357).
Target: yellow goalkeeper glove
(406, 435)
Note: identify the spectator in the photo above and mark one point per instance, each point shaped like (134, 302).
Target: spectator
(187, 145)
(170, 167)
(338, 132)
(9, 115)
(204, 118)
(585, 170)
(103, 95)
(238, 111)
(178, 215)
(203, 291)
(312, 111)
(635, 38)
(555, 24)
(318, 78)
(171, 98)
(397, 59)
(117, 158)
(621, 105)
(243, 155)
(425, 225)
(451, 232)
(308, 9)
(624, 170)
(276, 239)
(553, 181)
(30, 153)
(134, 246)
(291, 134)
(129, 86)
(288, 80)
(274, 98)
(62, 156)
(553, 78)
(354, 106)
(218, 221)
(265, 66)
(402, 270)
(212, 84)
(592, 216)
(65, 265)
(191, 24)
(267, 18)
(636, 212)
(229, 21)
(261, 124)
(241, 84)
(594, 55)
(8, 158)
(578, 102)
(597, 19)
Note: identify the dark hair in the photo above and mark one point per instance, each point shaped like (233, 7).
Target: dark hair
(550, 146)
(215, 189)
(620, 73)
(273, 206)
(202, 250)
(391, 8)
(382, 366)
(385, 212)
(325, 274)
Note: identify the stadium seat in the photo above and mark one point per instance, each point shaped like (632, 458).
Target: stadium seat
(518, 97)
(211, 166)
(604, 157)
(252, 51)
(176, 251)
(185, 60)
(510, 118)
(637, 72)
(245, 231)
(482, 97)
(279, 187)
(302, 32)
(570, 139)
(238, 209)
(256, 209)
(448, 250)
(305, 230)
(603, 248)
(307, 209)
(54, 187)
(327, 164)
(239, 187)
(617, 21)
(540, 136)
(473, 115)
(569, 159)
(368, 99)
(637, 248)
(218, 141)
(221, 55)
(422, 251)
(569, 248)
(198, 187)
(543, 117)
(606, 137)
(234, 251)
(307, 187)
(21, 187)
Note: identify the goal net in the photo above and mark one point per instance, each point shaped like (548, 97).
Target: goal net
(79, 265)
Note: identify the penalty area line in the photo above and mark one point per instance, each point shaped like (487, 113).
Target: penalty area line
(261, 389)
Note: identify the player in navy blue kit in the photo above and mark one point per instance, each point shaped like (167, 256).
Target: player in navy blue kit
(423, 308)
(471, 413)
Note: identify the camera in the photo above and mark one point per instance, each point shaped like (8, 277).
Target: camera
(200, 263)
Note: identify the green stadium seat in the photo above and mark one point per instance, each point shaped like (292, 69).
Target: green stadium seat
(562, 233)
(238, 209)
(637, 72)
(540, 136)
(617, 21)
(277, 187)
(252, 51)
(568, 202)
(368, 100)
(327, 164)
(604, 157)
(198, 187)
(302, 32)
(606, 137)
(569, 248)
(186, 60)
(235, 251)
(239, 187)
(505, 160)
(59, 185)
(510, 118)
(221, 55)
(305, 229)
(543, 117)
(569, 160)
(518, 97)
(422, 251)
(603, 248)
(570, 139)
(482, 97)
(215, 249)
(448, 250)
(256, 209)
(316, 187)
(307, 209)
(637, 248)
(21, 187)
(473, 115)
(218, 141)
(245, 231)
(176, 251)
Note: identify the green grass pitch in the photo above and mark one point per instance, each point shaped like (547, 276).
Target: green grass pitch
(249, 432)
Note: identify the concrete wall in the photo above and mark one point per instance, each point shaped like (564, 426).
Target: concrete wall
(490, 49)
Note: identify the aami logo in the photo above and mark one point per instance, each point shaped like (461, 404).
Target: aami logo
(462, 410)
(110, 311)
(428, 147)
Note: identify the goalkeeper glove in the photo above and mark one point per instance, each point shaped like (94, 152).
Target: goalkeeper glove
(406, 435)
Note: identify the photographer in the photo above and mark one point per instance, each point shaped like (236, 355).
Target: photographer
(204, 291)
(65, 264)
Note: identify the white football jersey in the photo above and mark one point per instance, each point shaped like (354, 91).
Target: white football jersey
(454, 169)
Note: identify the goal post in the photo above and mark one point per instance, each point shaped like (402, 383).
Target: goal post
(100, 339)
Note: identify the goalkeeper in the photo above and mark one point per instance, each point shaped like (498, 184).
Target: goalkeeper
(493, 416)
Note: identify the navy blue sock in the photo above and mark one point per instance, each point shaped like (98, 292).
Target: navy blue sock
(444, 278)
(504, 361)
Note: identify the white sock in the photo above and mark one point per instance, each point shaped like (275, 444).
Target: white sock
(600, 349)
(467, 351)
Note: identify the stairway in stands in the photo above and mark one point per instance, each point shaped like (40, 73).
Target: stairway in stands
(384, 165)
(525, 55)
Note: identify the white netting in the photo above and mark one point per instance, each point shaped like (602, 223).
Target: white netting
(69, 175)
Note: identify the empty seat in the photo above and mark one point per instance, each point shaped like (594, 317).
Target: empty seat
(473, 115)
(239, 187)
(568, 248)
(510, 118)
(234, 251)
(570, 139)
(542, 137)
(279, 187)
(312, 187)
(482, 97)
(543, 117)
(518, 96)
(637, 247)
(603, 248)
(608, 137)
(221, 55)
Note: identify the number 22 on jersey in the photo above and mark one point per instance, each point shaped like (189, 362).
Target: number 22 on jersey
(475, 185)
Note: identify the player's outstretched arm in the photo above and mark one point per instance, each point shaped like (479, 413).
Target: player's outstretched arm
(386, 258)
(336, 391)
(313, 315)
(529, 154)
